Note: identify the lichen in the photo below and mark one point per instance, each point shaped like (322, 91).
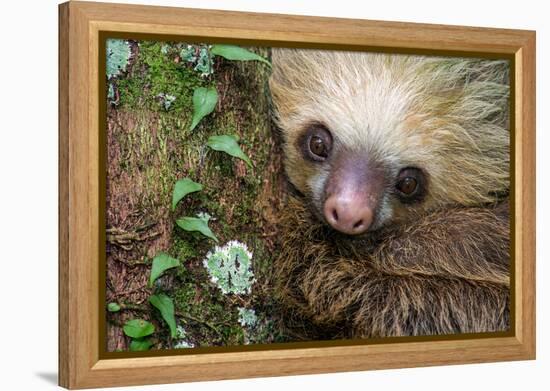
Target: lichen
(166, 100)
(200, 57)
(181, 341)
(247, 317)
(230, 268)
(118, 54)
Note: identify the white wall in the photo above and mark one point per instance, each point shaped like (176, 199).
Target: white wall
(28, 192)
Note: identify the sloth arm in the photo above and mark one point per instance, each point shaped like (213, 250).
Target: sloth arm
(467, 243)
(446, 272)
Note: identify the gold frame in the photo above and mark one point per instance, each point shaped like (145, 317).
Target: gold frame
(81, 24)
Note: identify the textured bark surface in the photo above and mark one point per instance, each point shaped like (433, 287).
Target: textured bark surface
(149, 149)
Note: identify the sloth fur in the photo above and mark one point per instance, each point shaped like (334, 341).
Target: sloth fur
(437, 266)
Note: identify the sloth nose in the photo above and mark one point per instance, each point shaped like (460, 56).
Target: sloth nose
(348, 213)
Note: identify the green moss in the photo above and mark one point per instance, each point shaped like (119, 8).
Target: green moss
(183, 250)
(183, 297)
(156, 72)
(235, 335)
(209, 318)
(262, 257)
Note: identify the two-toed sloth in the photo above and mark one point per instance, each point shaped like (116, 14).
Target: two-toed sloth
(400, 225)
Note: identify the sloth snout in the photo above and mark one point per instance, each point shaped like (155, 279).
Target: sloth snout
(348, 213)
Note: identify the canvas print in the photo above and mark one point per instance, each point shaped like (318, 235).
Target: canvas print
(260, 195)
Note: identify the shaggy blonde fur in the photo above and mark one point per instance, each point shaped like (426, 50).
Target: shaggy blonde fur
(435, 267)
(446, 115)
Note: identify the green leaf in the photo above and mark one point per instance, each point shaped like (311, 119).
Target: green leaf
(204, 102)
(140, 345)
(166, 307)
(138, 328)
(228, 144)
(161, 262)
(182, 188)
(232, 52)
(196, 224)
(113, 307)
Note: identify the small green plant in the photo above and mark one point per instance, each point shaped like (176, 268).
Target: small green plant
(166, 307)
(138, 328)
(236, 53)
(161, 263)
(191, 224)
(113, 307)
(140, 345)
(205, 99)
(228, 144)
(197, 224)
(230, 268)
(204, 102)
(182, 188)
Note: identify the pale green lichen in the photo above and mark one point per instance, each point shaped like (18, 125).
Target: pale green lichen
(230, 268)
(181, 339)
(180, 332)
(183, 345)
(111, 92)
(118, 54)
(205, 217)
(189, 54)
(247, 317)
(166, 100)
(200, 56)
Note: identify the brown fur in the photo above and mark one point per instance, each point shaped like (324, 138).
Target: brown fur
(446, 273)
(438, 266)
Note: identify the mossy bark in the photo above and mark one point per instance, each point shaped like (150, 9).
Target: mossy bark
(150, 147)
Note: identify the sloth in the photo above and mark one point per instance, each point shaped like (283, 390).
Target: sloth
(399, 221)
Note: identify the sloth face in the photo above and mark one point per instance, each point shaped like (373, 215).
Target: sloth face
(378, 139)
(354, 192)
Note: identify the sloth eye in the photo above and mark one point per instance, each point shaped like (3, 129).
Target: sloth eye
(407, 185)
(319, 143)
(411, 185)
(317, 147)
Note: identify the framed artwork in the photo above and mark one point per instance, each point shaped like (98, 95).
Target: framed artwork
(247, 195)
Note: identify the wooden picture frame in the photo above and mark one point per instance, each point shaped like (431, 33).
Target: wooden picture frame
(80, 26)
